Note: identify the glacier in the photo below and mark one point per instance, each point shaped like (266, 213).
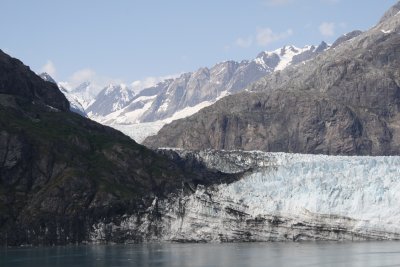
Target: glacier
(279, 197)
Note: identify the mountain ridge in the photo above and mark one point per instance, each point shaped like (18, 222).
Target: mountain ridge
(180, 97)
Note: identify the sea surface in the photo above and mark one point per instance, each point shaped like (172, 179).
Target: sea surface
(365, 254)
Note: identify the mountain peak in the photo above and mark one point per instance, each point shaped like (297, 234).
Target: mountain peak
(111, 88)
(393, 11)
(322, 47)
(288, 48)
(46, 77)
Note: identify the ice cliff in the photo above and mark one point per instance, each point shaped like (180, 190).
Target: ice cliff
(279, 197)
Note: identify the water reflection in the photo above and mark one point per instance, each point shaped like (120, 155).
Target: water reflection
(198, 255)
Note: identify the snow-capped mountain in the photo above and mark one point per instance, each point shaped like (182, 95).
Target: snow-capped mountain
(288, 55)
(205, 85)
(181, 97)
(75, 104)
(110, 99)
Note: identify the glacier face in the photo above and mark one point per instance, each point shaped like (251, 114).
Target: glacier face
(279, 197)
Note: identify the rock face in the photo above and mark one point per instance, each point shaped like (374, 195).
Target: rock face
(60, 173)
(284, 197)
(345, 101)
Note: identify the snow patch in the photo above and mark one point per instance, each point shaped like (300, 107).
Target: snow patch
(287, 56)
(386, 32)
(188, 111)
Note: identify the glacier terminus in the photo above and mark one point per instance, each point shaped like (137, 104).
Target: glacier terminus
(278, 197)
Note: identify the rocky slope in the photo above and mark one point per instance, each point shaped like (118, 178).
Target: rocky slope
(60, 173)
(345, 101)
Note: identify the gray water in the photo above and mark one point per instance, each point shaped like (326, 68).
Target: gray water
(365, 254)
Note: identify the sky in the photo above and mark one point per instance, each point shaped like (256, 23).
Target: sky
(144, 41)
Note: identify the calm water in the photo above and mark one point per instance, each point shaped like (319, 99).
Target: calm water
(196, 255)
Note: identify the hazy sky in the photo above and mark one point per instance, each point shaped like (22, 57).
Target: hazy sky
(132, 40)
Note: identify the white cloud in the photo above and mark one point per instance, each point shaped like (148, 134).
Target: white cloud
(266, 36)
(50, 68)
(327, 29)
(147, 82)
(263, 37)
(81, 76)
(98, 82)
(244, 42)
